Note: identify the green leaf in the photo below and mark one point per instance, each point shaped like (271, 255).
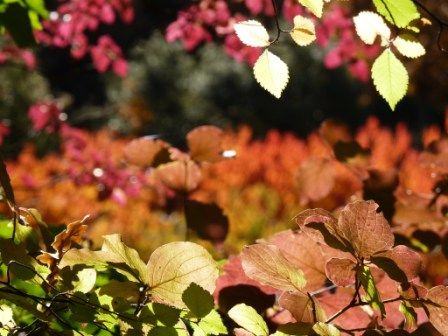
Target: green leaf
(198, 300)
(212, 324)
(397, 12)
(86, 280)
(37, 6)
(410, 316)
(371, 292)
(18, 23)
(248, 318)
(390, 78)
(294, 329)
(174, 266)
(326, 329)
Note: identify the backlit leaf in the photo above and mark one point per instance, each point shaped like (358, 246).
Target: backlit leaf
(174, 266)
(252, 33)
(146, 152)
(266, 264)
(369, 25)
(437, 308)
(248, 318)
(410, 316)
(204, 143)
(390, 77)
(181, 176)
(86, 280)
(341, 272)
(326, 329)
(303, 32)
(398, 12)
(314, 6)
(271, 73)
(302, 308)
(212, 324)
(371, 292)
(408, 46)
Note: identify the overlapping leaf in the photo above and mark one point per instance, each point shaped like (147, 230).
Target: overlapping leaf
(303, 32)
(252, 33)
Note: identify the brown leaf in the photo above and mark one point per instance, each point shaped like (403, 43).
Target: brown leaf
(341, 271)
(408, 262)
(437, 308)
(181, 176)
(299, 305)
(204, 143)
(303, 252)
(266, 264)
(366, 230)
(315, 179)
(146, 152)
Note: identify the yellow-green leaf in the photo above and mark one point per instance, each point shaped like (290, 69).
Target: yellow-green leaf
(174, 266)
(326, 329)
(304, 32)
(271, 73)
(390, 77)
(398, 12)
(248, 318)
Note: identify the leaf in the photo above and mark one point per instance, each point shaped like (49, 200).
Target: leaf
(6, 315)
(205, 143)
(367, 231)
(198, 300)
(316, 178)
(326, 329)
(397, 12)
(212, 324)
(410, 316)
(174, 266)
(86, 280)
(5, 182)
(147, 152)
(390, 78)
(302, 307)
(271, 73)
(341, 271)
(368, 284)
(252, 33)
(314, 6)
(207, 220)
(293, 329)
(369, 25)
(183, 176)
(266, 264)
(437, 308)
(401, 263)
(17, 22)
(303, 32)
(408, 46)
(248, 318)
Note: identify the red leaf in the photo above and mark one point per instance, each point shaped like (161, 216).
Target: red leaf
(204, 143)
(341, 271)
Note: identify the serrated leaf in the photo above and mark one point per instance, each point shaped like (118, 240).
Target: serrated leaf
(390, 77)
(326, 329)
(408, 46)
(303, 32)
(252, 33)
(314, 6)
(369, 25)
(174, 266)
(248, 318)
(271, 73)
(398, 12)
(198, 300)
(266, 264)
(212, 324)
(368, 284)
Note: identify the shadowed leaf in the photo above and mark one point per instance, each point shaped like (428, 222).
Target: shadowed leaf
(198, 300)
(437, 308)
(147, 152)
(341, 272)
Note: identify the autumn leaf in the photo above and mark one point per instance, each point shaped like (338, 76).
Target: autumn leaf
(146, 152)
(437, 308)
(341, 271)
(205, 144)
(181, 176)
(302, 307)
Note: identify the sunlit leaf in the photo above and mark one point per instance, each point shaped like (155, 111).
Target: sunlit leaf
(252, 33)
(212, 324)
(408, 46)
(437, 308)
(248, 318)
(302, 307)
(303, 32)
(86, 280)
(390, 78)
(266, 264)
(174, 266)
(326, 329)
(314, 6)
(271, 73)
(397, 12)
(410, 316)
(146, 152)
(181, 176)
(341, 272)
(369, 25)
(372, 294)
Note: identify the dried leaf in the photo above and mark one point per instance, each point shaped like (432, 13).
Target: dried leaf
(183, 176)
(146, 152)
(437, 308)
(299, 305)
(204, 143)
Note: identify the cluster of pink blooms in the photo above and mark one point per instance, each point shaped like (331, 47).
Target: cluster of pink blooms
(70, 24)
(10, 52)
(203, 21)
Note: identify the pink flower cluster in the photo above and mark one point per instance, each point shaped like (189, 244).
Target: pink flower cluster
(337, 27)
(70, 24)
(10, 52)
(46, 116)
